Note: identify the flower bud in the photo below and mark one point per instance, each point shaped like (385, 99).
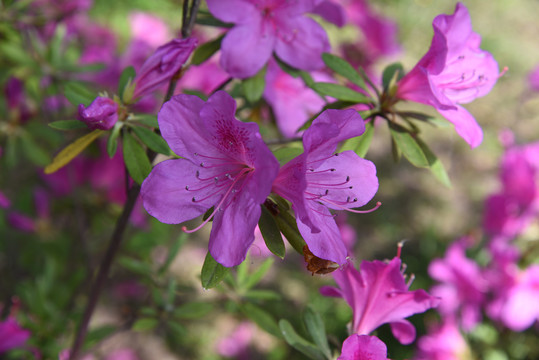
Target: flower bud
(101, 114)
(159, 68)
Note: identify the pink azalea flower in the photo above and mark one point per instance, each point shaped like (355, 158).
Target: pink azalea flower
(443, 342)
(12, 335)
(160, 67)
(101, 114)
(149, 29)
(236, 344)
(293, 103)
(515, 303)
(266, 26)
(454, 71)
(225, 164)
(533, 79)
(363, 347)
(509, 212)
(463, 285)
(378, 294)
(320, 179)
(122, 354)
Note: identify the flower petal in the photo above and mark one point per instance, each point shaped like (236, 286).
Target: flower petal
(404, 331)
(465, 125)
(363, 347)
(233, 11)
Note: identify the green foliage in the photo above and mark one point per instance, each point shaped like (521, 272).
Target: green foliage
(212, 272)
(135, 158)
(271, 233)
(206, 51)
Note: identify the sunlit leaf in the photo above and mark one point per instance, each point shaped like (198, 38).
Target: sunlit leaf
(72, 150)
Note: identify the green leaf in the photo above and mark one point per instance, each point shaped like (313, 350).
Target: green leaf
(67, 124)
(126, 78)
(392, 73)
(77, 93)
(112, 142)
(339, 92)
(409, 146)
(135, 266)
(173, 251)
(256, 294)
(299, 343)
(287, 153)
(145, 324)
(287, 225)
(315, 326)
(70, 151)
(343, 68)
(262, 318)
(259, 273)
(253, 87)
(146, 119)
(212, 272)
(33, 151)
(135, 158)
(436, 166)
(271, 233)
(98, 334)
(360, 144)
(193, 310)
(152, 140)
(206, 50)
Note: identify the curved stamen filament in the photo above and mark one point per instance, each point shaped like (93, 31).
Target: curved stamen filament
(378, 204)
(323, 159)
(218, 206)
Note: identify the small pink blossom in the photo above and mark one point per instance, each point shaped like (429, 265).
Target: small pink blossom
(12, 335)
(533, 79)
(101, 114)
(378, 294)
(443, 342)
(454, 71)
(236, 344)
(363, 347)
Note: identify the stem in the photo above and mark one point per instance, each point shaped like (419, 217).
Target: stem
(104, 268)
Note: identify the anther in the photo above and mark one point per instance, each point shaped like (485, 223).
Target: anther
(332, 169)
(347, 178)
(193, 199)
(186, 187)
(201, 164)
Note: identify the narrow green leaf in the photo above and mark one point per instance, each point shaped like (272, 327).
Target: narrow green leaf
(315, 326)
(360, 144)
(146, 119)
(206, 50)
(33, 151)
(253, 87)
(98, 334)
(172, 252)
(343, 68)
(77, 93)
(126, 78)
(152, 140)
(242, 271)
(287, 225)
(256, 294)
(299, 343)
(271, 233)
(409, 146)
(135, 266)
(70, 151)
(135, 158)
(145, 324)
(262, 318)
(192, 310)
(259, 273)
(339, 92)
(112, 142)
(67, 124)
(307, 78)
(287, 153)
(212, 272)
(392, 72)
(436, 166)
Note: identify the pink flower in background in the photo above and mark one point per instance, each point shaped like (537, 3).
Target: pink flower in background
(225, 164)
(292, 102)
(31, 224)
(320, 179)
(101, 114)
(266, 26)
(454, 71)
(363, 347)
(236, 344)
(463, 285)
(509, 212)
(330, 11)
(12, 335)
(148, 29)
(443, 342)
(378, 294)
(122, 354)
(160, 67)
(533, 79)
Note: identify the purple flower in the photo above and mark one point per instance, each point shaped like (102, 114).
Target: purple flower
(379, 295)
(12, 335)
(363, 347)
(101, 114)
(443, 342)
(160, 67)
(236, 344)
(225, 165)
(454, 71)
(292, 102)
(320, 179)
(463, 285)
(264, 26)
(533, 79)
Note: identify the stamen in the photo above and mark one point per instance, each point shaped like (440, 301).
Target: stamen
(378, 204)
